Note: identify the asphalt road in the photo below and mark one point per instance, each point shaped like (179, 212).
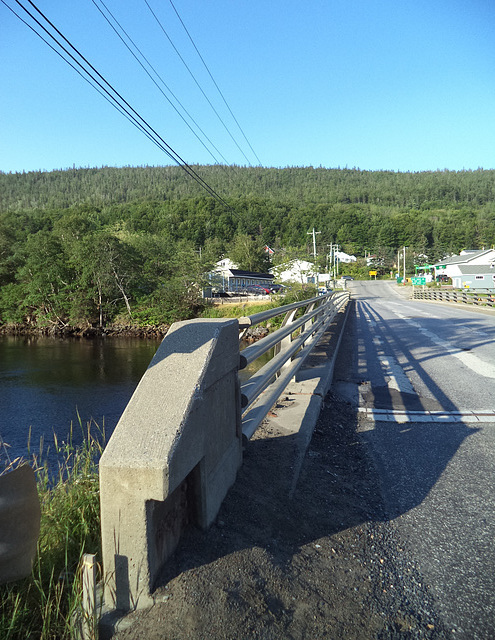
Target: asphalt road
(423, 376)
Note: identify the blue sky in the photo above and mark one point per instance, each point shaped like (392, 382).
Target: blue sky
(403, 85)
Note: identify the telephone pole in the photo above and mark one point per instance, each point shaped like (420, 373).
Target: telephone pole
(314, 234)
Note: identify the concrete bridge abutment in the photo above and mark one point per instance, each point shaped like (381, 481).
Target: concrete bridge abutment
(172, 457)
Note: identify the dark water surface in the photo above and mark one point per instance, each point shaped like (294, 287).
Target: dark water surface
(46, 382)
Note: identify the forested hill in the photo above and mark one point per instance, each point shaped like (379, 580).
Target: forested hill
(98, 246)
(305, 185)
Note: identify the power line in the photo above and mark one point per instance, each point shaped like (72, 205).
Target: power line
(160, 78)
(213, 80)
(194, 78)
(115, 106)
(114, 96)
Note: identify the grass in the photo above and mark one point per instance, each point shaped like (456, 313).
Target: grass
(250, 307)
(237, 310)
(42, 605)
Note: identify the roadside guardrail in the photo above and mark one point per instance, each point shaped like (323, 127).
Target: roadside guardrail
(452, 295)
(291, 343)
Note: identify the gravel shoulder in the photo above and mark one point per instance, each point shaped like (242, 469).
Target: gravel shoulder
(324, 564)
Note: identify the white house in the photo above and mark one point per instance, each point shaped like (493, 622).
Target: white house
(300, 271)
(345, 257)
(451, 267)
(295, 271)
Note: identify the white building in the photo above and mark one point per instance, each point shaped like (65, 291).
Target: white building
(345, 257)
(451, 267)
(228, 278)
(300, 271)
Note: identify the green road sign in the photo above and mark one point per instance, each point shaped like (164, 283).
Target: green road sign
(418, 280)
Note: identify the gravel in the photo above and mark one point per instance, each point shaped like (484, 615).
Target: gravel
(325, 563)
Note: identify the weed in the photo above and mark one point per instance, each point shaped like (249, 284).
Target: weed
(42, 605)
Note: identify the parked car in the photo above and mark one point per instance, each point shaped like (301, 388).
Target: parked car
(257, 289)
(277, 288)
(442, 278)
(347, 278)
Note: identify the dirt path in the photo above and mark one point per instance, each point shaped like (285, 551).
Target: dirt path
(322, 564)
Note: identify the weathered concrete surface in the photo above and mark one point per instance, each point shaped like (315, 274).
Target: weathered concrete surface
(172, 457)
(20, 515)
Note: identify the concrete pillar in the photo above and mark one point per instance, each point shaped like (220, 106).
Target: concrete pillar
(172, 457)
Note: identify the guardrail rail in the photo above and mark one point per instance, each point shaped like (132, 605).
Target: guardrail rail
(452, 295)
(292, 343)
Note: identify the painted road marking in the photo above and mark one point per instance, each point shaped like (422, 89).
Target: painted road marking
(484, 369)
(391, 415)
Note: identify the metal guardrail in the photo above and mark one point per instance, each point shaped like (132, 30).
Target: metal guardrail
(292, 344)
(452, 295)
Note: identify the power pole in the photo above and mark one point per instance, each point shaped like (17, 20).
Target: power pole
(334, 259)
(314, 234)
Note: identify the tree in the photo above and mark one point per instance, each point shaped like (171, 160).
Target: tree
(249, 254)
(45, 281)
(107, 269)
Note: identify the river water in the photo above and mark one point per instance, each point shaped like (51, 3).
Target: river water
(45, 383)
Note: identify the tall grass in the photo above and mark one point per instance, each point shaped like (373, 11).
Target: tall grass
(250, 307)
(42, 605)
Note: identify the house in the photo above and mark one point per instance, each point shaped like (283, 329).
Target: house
(345, 257)
(451, 267)
(477, 277)
(228, 278)
(300, 271)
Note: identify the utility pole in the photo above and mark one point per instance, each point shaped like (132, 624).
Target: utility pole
(334, 259)
(314, 234)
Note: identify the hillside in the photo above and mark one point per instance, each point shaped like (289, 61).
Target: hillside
(306, 185)
(131, 244)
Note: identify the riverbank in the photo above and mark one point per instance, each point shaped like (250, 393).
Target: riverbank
(117, 330)
(111, 331)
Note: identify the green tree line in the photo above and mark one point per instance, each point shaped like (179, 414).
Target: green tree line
(133, 245)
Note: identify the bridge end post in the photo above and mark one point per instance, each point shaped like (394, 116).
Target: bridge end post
(172, 457)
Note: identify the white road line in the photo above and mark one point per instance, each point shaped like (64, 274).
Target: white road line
(484, 369)
(390, 415)
(398, 379)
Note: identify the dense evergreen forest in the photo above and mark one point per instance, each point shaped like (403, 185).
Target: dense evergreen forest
(131, 245)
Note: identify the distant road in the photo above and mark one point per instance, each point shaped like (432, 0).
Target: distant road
(423, 375)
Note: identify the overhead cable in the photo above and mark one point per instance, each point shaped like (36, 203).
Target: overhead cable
(213, 80)
(161, 80)
(197, 83)
(114, 96)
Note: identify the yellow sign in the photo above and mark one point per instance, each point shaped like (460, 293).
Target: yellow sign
(373, 273)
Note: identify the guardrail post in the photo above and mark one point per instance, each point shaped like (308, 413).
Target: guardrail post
(285, 343)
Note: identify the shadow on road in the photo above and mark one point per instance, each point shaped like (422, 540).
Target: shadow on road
(339, 487)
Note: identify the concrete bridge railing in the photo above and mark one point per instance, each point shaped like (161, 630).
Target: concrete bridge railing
(178, 445)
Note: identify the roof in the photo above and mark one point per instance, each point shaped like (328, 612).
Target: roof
(238, 273)
(462, 259)
(476, 269)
